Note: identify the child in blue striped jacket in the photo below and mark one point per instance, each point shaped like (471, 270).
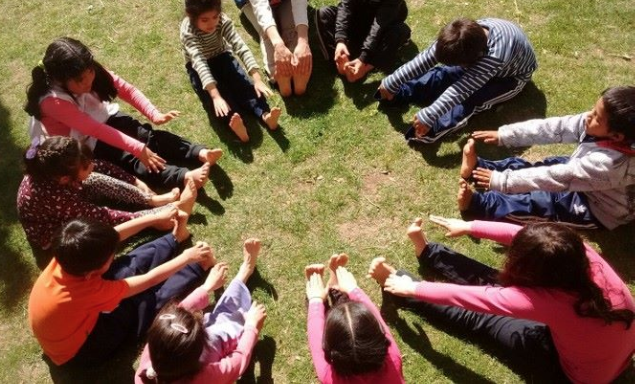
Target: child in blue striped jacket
(486, 62)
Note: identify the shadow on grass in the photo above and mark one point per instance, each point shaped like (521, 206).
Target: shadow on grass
(264, 353)
(617, 247)
(15, 275)
(417, 339)
(258, 281)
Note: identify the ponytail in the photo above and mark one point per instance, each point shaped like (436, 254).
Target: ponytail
(38, 88)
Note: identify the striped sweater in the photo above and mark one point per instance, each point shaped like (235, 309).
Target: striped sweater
(509, 54)
(198, 47)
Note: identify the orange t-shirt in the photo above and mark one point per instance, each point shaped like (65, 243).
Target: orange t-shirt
(63, 309)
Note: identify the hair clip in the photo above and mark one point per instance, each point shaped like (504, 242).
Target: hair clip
(176, 326)
(151, 373)
(167, 316)
(33, 149)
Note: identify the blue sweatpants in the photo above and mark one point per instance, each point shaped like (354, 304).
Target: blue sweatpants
(525, 344)
(233, 84)
(430, 86)
(570, 208)
(135, 314)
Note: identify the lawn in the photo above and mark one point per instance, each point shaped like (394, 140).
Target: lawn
(337, 176)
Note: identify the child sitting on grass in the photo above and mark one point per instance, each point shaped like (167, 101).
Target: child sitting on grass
(353, 344)
(86, 303)
(486, 62)
(184, 346)
(593, 187)
(557, 310)
(209, 43)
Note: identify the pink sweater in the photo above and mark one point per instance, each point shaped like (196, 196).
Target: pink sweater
(60, 116)
(226, 370)
(589, 350)
(390, 373)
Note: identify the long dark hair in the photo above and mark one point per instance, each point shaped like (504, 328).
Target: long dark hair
(56, 157)
(66, 59)
(551, 255)
(176, 340)
(354, 342)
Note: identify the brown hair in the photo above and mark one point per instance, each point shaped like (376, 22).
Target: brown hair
(462, 42)
(619, 106)
(56, 157)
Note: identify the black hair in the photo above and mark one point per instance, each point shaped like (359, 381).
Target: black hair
(174, 354)
(354, 342)
(619, 106)
(66, 59)
(83, 246)
(195, 8)
(462, 42)
(56, 157)
(551, 255)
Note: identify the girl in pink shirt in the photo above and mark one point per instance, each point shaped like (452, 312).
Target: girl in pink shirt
(557, 310)
(71, 95)
(352, 344)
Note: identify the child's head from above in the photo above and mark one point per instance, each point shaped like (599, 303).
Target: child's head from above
(461, 43)
(204, 14)
(354, 341)
(59, 158)
(85, 247)
(613, 115)
(176, 340)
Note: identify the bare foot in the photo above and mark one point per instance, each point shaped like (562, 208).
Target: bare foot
(210, 155)
(335, 261)
(188, 196)
(284, 86)
(238, 127)
(417, 236)
(340, 65)
(464, 195)
(180, 230)
(251, 249)
(271, 118)
(469, 160)
(300, 84)
(166, 198)
(379, 270)
(314, 268)
(198, 175)
(210, 260)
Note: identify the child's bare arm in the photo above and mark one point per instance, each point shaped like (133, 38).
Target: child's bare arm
(134, 226)
(140, 283)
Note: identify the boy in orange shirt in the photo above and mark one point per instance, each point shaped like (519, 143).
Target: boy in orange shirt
(86, 303)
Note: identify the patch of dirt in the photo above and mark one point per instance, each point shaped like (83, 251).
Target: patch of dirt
(372, 232)
(372, 182)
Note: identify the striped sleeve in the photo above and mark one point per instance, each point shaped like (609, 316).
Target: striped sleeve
(239, 47)
(421, 64)
(473, 79)
(195, 54)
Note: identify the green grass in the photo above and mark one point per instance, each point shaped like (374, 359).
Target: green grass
(337, 177)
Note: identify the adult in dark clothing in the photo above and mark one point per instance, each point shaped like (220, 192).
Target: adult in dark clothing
(360, 35)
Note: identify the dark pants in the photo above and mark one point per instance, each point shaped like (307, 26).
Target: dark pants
(134, 315)
(526, 343)
(384, 55)
(570, 208)
(233, 84)
(173, 148)
(429, 87)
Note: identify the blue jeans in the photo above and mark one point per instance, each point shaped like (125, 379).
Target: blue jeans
(426, 89)
(570, 208)
(526, 343)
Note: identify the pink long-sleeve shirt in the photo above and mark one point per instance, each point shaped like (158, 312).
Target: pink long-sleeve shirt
(590, 351)
(228, 369)
(60, 116)
(390, 373)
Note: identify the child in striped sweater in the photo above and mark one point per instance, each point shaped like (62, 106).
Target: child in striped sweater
(209, 43)
(486, 62)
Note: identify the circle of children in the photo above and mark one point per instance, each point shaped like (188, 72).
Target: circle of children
(556, 306)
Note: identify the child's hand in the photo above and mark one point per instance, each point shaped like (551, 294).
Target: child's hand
(384, 93)
(216, 278)
(455, 227)
(421, 129)
(488, 137)
(283, 59)
(221, 109)
(256, 316)
(164, 219)
(400, 285)
(165, 117)
(342, 52)
(151, 160)
(302, 58)
(200, 252)
(346, 281)
(262, 89)
(482, 177)
(315, 288)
